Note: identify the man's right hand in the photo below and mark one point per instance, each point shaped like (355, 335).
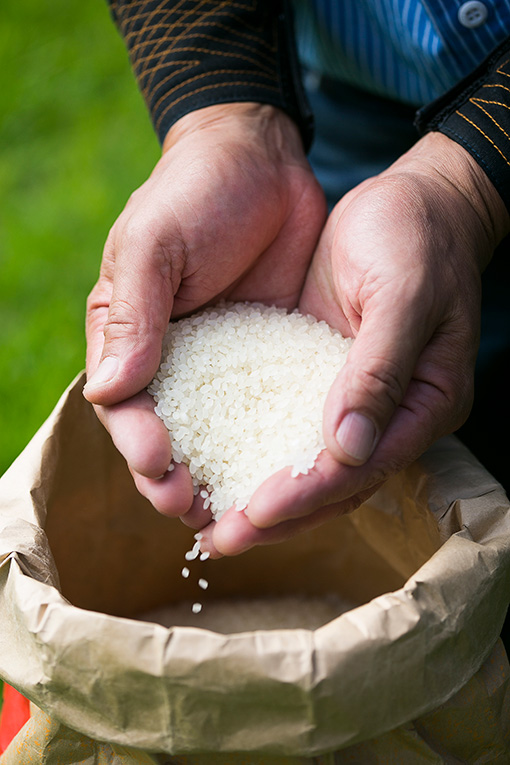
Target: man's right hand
(398, 267)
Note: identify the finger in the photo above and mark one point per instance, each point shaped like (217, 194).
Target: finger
(283, 497)
(374, 380)
(197, 516)
(139, 434)
(434, 404)
(234, 533)
(131, 308)
(96, 317)
(171, 494)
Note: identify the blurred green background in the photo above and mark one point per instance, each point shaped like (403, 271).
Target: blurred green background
(75, 141)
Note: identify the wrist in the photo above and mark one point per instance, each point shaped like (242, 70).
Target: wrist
(437, 156)
(245, 120)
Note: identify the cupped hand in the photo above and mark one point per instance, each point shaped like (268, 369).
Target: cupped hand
(398, 268)
(232, 210)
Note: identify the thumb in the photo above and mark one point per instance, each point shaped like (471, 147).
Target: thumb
(373, 382)
(127, 315)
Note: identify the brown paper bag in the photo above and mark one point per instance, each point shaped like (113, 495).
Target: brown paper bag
(415, 664)
(45, 741)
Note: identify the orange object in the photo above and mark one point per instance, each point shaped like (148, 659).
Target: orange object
(15, 713)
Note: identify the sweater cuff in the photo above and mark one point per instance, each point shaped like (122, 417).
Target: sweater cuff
(476, 114)
(191, 54)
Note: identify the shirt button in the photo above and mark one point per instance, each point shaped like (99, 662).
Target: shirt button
(472, 14)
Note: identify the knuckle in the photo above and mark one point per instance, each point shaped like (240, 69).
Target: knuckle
(133, 237)
(92, 300)
(127, 324)
(98, 297)
(155, 245)
(123, 321)
(460, 401)
(456, 386)
(381, 383)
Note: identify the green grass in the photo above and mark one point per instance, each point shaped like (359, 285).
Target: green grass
(75, 140)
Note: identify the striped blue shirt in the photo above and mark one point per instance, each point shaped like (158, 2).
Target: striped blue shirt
(409, 50)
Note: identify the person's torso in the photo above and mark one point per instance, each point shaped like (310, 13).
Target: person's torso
(410, 50)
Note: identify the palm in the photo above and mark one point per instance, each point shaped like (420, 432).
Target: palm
(261, 231)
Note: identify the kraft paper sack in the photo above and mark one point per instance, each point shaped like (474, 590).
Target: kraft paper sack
(413, 673)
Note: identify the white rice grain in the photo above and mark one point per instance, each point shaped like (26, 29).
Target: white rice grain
(241, 388)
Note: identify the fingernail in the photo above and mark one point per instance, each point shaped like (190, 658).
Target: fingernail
(105, 372)
(356, 436)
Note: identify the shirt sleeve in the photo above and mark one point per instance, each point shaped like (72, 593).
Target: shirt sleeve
(188, 54)
(476, 114)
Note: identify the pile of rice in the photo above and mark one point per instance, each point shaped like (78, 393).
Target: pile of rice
(241, 615)
(241, 388)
